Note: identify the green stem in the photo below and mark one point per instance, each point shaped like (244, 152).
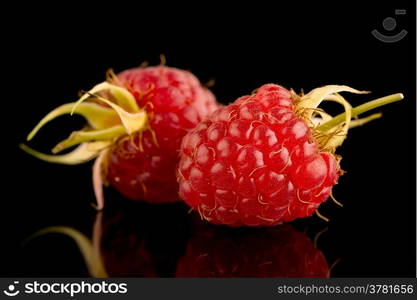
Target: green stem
(360, 109)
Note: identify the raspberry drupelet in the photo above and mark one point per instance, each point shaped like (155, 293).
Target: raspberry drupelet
(136, 121)
(267, 158)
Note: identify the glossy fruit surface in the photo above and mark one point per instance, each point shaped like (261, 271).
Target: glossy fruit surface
(254, 163)
(265, 159)
(142, 166)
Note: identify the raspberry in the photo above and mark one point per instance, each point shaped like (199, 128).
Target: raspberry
(273, 252)
(267, 158)
(176, 102)
(136, 122)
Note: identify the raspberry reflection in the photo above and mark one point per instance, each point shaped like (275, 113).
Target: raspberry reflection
(269, 252)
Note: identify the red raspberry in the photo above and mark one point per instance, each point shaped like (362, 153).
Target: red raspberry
(175, 101)
(273, 252)
(265, 159)
(136, 123)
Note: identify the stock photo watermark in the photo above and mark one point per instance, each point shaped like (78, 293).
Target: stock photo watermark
(389, 24)
(71, 289)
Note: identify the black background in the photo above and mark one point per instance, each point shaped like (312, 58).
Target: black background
(53, 52)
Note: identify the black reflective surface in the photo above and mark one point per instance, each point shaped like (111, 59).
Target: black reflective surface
(297, 46)
(137, 240)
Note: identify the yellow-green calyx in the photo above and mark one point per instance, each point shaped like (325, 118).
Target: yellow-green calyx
(111, 112)
(329, 131)
(108, 118)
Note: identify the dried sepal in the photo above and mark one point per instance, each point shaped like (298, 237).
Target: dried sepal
(98, 178)
(83, 153)
(97, 116)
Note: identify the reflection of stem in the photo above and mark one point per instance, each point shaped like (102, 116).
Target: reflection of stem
(332, 267)
(91, 256)
(316, 238)
(97, 233)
